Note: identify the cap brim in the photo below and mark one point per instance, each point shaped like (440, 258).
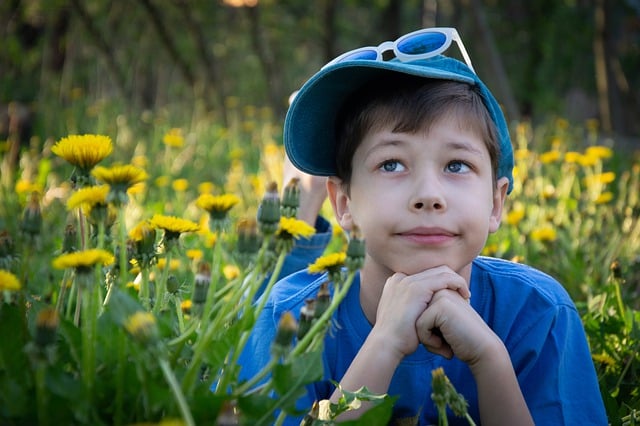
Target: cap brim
(309, 137)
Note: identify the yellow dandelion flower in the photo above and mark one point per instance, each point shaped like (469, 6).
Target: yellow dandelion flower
(490, 249)
(137, 188)
(295, 228)
(516, 214)
(142, 326)
(174, 264)
(604, 198)
(271, 149)
(327, 262)
(217, 204)
(134, 285)
(120, 175)
(186, 306)
(548, 191)
(562, 123)
(23, 186)
(141, 231)
(592, 124)
(603, 359)
(173, 225)
(180, 185)
(600, 178)
(572, 157)
(140, 161)
(230, 272)
(550, 157)
(162, 181)
(173, 138)
(599, 151)
(588, 161)
(8, 281)
(236, 154)
(83, 259)
(88, 197)
(521, 154)
(206, 188)
(544, 233)
(210, 239)
(194, 254)
(83, 151)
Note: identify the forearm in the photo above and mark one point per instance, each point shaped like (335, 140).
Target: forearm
(500, 399)
(373, 367)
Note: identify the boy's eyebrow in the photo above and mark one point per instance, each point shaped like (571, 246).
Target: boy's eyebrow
(465, 146)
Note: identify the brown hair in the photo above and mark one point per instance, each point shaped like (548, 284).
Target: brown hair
(410, 104)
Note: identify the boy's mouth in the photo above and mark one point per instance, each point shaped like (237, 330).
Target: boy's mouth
(428, 235)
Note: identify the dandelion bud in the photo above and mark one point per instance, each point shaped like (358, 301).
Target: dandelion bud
(269, 210)
(70, 239)
(291, 198)
(248, 238)
(312, 415)
(32, 216)
(229, 415)
(201, 287)
(142, 327)
(6, 244)
(616, 269)
(173, 285)
(47, 323)
(355, 251)
(323, 299)
(287, 328)
(307, 314)
(443, 394)
(7, 250)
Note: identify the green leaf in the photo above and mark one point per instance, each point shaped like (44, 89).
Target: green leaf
(290, 379)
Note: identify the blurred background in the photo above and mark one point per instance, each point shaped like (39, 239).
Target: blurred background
(575, 59)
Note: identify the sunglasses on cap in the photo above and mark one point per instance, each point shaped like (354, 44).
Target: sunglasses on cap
(421, 44)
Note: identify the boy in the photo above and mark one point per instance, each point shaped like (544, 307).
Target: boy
(419, 159)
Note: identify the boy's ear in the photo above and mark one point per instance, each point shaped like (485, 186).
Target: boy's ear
(340, 202)
(499, 197)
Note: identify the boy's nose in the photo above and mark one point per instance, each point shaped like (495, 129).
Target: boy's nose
(428, 195)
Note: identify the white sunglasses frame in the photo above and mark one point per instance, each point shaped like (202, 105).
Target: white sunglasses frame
(451, 35)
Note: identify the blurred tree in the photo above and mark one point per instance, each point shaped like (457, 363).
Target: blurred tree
(538, 56)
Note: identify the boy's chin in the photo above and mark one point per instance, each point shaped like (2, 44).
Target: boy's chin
(417, 267)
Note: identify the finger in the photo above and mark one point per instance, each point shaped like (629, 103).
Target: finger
(435, 344)
(440, 278)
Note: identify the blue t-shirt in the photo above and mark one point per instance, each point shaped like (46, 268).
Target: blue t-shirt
(529, 310)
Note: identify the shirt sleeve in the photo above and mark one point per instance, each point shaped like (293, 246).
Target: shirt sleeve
(305, 251)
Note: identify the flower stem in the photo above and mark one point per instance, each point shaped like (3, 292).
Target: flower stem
(177, 392)
(161, 285)
(320, 323)
(119, 398)
(88, 324)
(215, 276)
(224, 379)
(41, 394)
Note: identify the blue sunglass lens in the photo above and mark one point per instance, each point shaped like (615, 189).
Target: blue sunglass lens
(366, 54)
(422, 43)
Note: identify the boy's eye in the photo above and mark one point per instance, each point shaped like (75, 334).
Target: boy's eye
(457, 167)
(391, 166)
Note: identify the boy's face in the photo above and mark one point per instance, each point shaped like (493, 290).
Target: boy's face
(421, 200)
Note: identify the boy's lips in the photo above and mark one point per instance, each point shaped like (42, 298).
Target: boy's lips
(428, 235)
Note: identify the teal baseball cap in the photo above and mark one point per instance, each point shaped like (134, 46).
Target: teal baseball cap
(309, 127)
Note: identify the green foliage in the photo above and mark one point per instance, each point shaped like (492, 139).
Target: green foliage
(584, 214)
